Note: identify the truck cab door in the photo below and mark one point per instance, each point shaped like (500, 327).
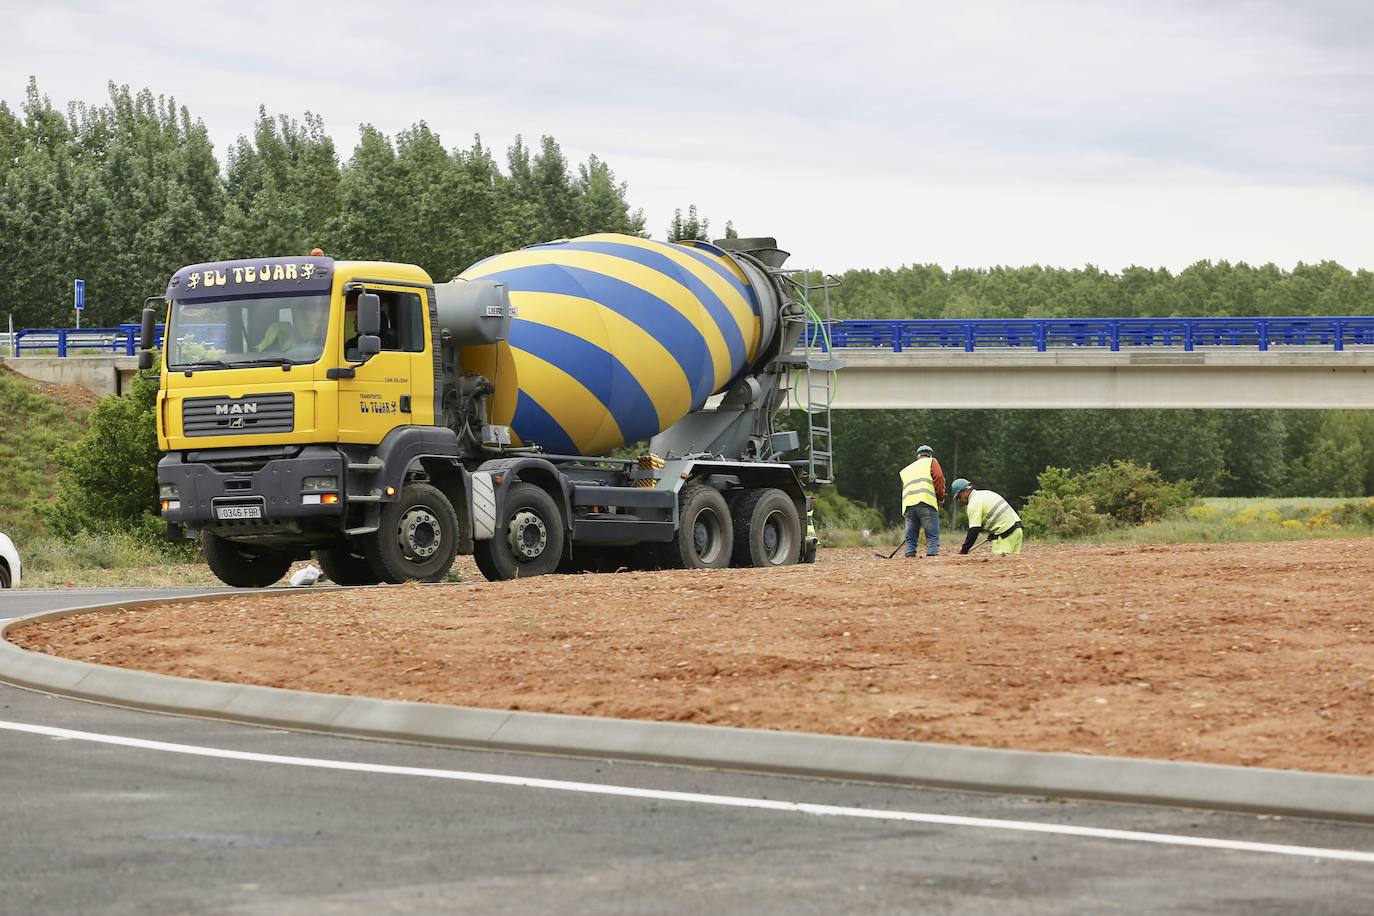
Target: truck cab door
(394, 387)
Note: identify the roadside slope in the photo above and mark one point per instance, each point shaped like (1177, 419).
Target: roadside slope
(35, 418)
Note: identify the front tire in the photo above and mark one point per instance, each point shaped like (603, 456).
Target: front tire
(529, 537)
(705, 538)
(767, 529)
(243, 566)
(417, 537)
(344, 567)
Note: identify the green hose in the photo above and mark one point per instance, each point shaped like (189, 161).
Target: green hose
(815, 317)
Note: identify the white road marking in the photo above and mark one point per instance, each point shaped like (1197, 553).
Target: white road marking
(729, 801)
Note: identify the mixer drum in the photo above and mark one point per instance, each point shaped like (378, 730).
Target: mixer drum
(614, 339)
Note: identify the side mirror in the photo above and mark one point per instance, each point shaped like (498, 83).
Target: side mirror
(369, 344)
(145, 341)
(369, 317)
(145, 360)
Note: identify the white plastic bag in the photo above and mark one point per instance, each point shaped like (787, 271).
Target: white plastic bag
(309, 575)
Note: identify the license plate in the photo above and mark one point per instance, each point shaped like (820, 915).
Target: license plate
(228, 512)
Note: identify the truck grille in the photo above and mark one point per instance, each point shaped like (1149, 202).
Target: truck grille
(252, 413)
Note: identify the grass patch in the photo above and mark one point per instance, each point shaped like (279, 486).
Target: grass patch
(31, 428)
(1207, 521)
(119, 559)
(1232, 520)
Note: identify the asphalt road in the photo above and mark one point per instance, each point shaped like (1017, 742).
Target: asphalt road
(91, 826)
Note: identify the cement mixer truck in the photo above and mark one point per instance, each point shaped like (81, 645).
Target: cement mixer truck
(362, 413)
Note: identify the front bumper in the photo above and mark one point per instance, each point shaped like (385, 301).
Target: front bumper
(271, 479)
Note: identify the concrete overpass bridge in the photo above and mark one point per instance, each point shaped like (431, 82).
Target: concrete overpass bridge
(1055, 363)
(1314, 363)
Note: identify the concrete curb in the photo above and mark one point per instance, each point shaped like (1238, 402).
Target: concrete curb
(1264, 791)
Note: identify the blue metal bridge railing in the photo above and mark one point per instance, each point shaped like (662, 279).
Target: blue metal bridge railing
(122, 339)
(901, 334)
(1189, 334)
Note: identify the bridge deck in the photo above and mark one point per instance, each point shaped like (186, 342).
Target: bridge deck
(1292, 377)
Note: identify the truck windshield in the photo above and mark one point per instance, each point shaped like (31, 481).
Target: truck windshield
(243, 332)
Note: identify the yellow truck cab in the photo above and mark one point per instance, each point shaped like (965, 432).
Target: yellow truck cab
(279, 417)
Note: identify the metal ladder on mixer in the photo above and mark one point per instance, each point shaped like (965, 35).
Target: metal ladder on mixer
(815, 368)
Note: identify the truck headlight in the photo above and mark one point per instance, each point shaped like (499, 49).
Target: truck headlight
(318, 484)
(167, 491)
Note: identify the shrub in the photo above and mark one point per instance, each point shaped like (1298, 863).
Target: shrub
(837, 512)
(1357, 512)
(1132, 494)
(1060, 508)
(107, 479)
(1321, 520)
(1071, 505)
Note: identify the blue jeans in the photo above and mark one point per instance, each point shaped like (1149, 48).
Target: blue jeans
(922, 517)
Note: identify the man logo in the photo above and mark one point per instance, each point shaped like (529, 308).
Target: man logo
(223, 409)
(236, 423)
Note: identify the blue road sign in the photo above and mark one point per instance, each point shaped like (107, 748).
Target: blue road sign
(80, 292)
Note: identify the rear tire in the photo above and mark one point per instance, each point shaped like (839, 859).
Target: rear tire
(344, 567)
(4, 576)
(417, 537)
(705, 538)
(529, 536)
(767, 529)
(243, 566)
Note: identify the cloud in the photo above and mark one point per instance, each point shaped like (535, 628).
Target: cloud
(1059, 132)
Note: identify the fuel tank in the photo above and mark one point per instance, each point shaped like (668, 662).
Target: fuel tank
(615, 338)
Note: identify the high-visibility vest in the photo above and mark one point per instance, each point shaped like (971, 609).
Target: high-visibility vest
(990, 512)
(918, 484)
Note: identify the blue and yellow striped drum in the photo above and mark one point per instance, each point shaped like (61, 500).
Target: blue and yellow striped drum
(615, 338)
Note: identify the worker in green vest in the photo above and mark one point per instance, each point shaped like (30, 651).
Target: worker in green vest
(988, 514)
(923, 488)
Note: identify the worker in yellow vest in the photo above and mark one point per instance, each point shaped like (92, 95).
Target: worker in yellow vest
(923, 489)
(988, 514)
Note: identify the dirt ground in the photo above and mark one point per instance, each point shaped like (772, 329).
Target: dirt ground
(76, 396)
(1252, 654)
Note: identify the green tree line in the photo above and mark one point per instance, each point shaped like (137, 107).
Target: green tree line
(123, 193)
(1205, 289)
(1225, 452)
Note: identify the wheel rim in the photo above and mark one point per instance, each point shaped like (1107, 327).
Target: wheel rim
(419, 533)
(706, 535)
(528, 535)
(777, 538)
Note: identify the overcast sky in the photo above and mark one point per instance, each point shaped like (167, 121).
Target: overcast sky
(860, 134)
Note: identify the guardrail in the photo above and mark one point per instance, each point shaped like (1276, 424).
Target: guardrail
(123, 339)
(1110, 333)
(911, 334)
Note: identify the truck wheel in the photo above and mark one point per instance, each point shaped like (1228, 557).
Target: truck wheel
(767, 529)
(529, 536)
(4, 576)
(417, 537)
(344, 567)
(705, 538)
(243, 566)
